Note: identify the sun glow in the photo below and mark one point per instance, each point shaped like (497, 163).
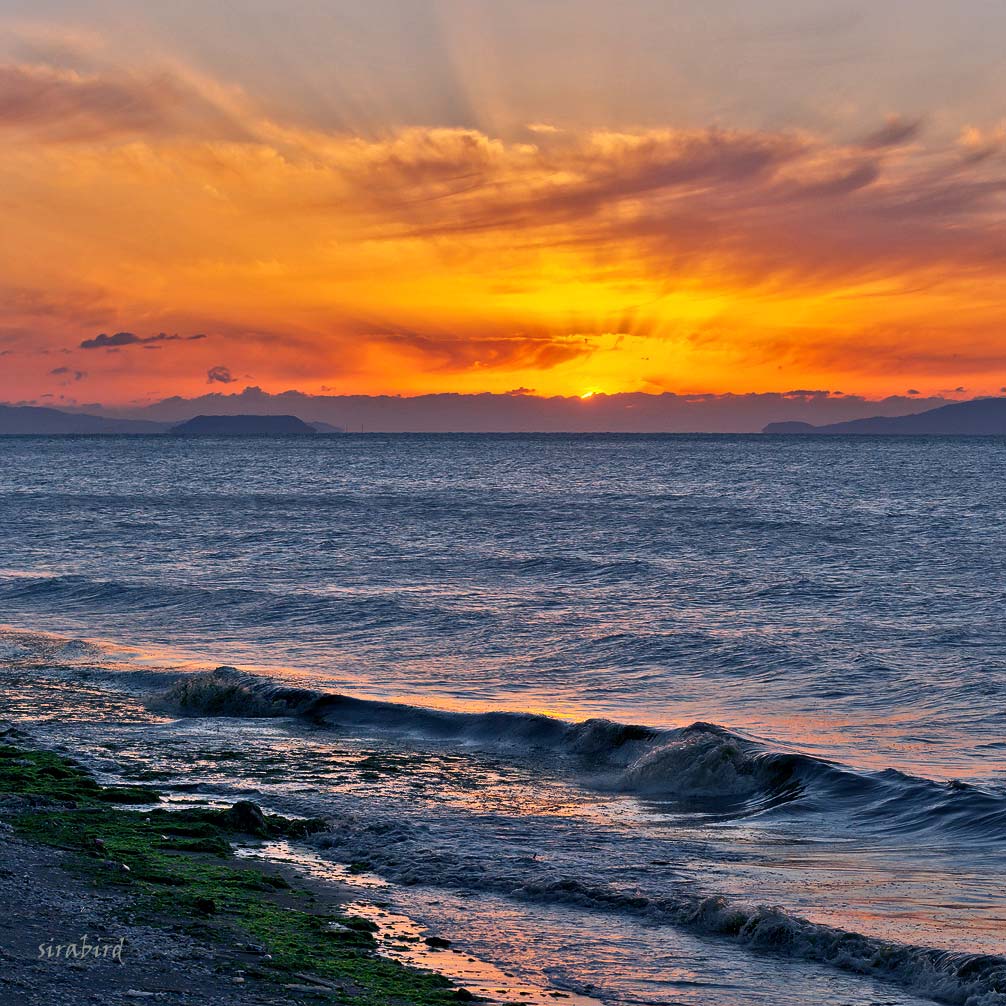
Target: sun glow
(429, 259)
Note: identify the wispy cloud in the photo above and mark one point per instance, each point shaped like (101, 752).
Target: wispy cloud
(895, 131)
(59, 104)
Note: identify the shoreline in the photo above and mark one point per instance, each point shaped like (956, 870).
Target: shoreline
(371, 851)
(109, 903)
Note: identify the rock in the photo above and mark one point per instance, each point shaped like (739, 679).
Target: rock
(247, 817)
(437, 942)
(205, 906)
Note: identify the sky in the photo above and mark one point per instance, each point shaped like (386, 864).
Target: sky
(557, 197)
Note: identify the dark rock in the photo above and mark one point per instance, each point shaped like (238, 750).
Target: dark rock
(247, 817)
(437, 942)
(205, 906)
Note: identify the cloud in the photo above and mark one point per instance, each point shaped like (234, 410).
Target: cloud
(842, 183)
(459, 180)
(69, 372)
(754, 203)
(104, 341)
(55, 103)
(895, 131)
(978, 145)
(120, 339)
(219, 375)
(459, 354)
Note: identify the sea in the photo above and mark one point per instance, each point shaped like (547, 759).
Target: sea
(628, 719)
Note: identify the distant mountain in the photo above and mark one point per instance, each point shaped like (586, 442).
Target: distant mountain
(243, 426)
(982, 417)
(327, 428)
(26, 420)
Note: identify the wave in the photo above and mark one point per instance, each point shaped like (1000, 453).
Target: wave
(948, 976)
(703, 764)
(241, 605)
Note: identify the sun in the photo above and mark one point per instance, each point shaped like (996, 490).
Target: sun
(588, 394)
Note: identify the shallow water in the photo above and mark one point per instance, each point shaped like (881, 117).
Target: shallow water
(828, 611)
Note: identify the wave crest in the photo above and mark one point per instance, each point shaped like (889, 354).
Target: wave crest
(948, 976)
(703, 762)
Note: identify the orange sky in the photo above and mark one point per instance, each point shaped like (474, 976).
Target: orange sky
(556, 252)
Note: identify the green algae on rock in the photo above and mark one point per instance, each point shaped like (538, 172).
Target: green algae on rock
(173, 865)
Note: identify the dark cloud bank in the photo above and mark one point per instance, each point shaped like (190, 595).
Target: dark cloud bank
(623, 413)
(121, 339)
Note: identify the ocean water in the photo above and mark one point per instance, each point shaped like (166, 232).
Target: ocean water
(640, 719)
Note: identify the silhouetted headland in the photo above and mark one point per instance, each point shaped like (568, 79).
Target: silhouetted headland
(982, 417)
(30, 420)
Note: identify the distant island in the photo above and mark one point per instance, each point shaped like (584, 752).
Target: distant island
(983, 417)
(243, 426)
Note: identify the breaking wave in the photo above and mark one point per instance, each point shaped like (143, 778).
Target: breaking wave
(946, 976)
(703, 763)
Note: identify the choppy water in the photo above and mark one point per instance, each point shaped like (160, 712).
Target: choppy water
(777, 667)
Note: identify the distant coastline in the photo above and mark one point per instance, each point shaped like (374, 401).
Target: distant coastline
(794, 412)
(981, 417)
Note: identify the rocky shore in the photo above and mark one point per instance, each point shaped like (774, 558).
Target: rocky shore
(111, 898)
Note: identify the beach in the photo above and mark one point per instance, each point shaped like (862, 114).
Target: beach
(114, 897)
